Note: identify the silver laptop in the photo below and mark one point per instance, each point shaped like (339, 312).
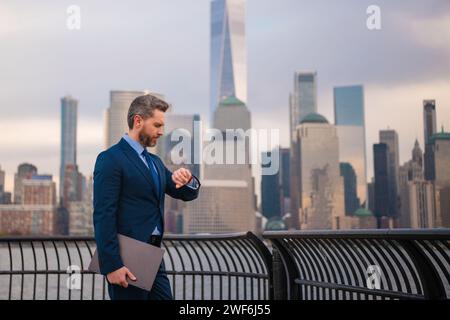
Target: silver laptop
(142, 259)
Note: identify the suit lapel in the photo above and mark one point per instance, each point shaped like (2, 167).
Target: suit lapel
(134, 158)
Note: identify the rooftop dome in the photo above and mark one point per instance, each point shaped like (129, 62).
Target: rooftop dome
(275, 224)
(314, 118)
(362, 212)
(231, 101)
(440, 136)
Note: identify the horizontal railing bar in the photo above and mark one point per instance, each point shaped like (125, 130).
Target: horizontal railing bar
(416, 234)
(195, 273)
(219, 273)
(33, 272)
(174, 237)
(354, 289)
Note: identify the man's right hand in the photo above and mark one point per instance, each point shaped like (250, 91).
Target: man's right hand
(119, 277)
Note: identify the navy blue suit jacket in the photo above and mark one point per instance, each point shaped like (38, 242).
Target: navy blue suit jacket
(125, 200)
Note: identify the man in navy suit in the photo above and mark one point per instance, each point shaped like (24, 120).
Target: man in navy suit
(129, 188)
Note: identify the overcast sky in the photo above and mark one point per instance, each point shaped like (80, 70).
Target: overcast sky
(163, 46)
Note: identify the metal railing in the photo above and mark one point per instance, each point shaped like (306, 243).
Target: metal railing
(362, 265)
(307, 265)
(232, 266)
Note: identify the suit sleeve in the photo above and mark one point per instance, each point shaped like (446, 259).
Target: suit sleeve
(107, 181)
(185, 193)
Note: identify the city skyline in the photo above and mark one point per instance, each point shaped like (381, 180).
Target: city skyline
(405, 88)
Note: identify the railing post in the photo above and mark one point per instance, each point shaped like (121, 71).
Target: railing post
(286, 272)
(433, 289)
(267, 257)
(279, 276)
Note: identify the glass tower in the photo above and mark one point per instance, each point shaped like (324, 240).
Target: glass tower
(349, 118)
(69, 113)
(228, 53)
(303, 100)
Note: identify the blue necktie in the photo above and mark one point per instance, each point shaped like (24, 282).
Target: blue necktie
(152, 168)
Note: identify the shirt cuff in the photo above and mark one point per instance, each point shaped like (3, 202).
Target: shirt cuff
(193, 184)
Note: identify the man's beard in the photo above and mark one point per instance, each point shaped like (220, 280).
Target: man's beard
(145, 139)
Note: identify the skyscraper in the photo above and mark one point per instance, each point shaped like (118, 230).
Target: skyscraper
(270, 192)
(429, 128)
(24, 171)
(350, 195)
(228, 52)
(417, 154)
(414, 193)
(319, 190)
(177, 128)
(73, 184)
(381, 184)
(69, 114)
(303, 100)
(180, 131)
(2, 180)
(39, 190)
(350, 125)
(230, 185)
(116, 115)
(5, 197)
(440, 147)
(390, 138)
(429, 119)
(285, 178)
(420, 204)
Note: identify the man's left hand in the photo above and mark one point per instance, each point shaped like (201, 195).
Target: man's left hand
(181, 177)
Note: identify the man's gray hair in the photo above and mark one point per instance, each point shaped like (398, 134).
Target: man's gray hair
(144, 106)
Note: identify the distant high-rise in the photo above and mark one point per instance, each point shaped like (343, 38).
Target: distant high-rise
(429, 128)
(417, 154)
(350, 125)
(303, 100)
(176, 126)
(5, 197)
(429, 119)
(390, 138)
(228, 52)
(2, 185)
(381, 184)
(116, 115)
(2, 180)
(318, 189)
(185, 126)
(285, 180)
(39, 190)
(68, 148)
(270, 192)
(73, 184)
(79, 221)
(371, 195)
(24, 171)
(350, 194)
(440, 147)
(231, 185)
(421, 204)
(412, 191)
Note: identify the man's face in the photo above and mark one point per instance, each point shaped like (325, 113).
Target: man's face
(152, 128)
